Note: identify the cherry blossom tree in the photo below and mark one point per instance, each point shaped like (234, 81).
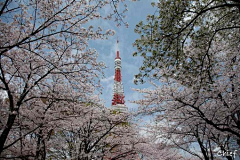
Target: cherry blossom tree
(206, 115)
(98, 134)
(47, 68)
(191, 52)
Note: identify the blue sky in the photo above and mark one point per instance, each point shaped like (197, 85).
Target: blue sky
(107, 50)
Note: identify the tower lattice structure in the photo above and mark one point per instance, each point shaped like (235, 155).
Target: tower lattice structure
(118, 102)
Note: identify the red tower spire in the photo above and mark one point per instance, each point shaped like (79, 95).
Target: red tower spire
(118, 50)
(118, 94)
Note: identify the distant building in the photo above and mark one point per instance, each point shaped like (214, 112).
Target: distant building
(118, 102)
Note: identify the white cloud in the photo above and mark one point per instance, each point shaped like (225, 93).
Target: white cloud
(107, 80)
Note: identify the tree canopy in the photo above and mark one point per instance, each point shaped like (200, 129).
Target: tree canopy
(177, 27)
(191, 48)
(47, 69)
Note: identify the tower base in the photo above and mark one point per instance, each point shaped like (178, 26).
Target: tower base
(120, 107)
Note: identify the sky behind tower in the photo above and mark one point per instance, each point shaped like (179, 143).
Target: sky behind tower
(137, 11)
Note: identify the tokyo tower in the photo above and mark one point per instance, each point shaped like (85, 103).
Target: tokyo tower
(118, 102)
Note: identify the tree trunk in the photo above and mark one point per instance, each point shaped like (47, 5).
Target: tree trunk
(40, 152)
(6, 130)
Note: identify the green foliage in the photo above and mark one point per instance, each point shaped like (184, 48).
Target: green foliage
(115, 112)
(182, 26)
(125, 124)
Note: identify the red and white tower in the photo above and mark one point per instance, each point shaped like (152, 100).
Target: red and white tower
(118, 102)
